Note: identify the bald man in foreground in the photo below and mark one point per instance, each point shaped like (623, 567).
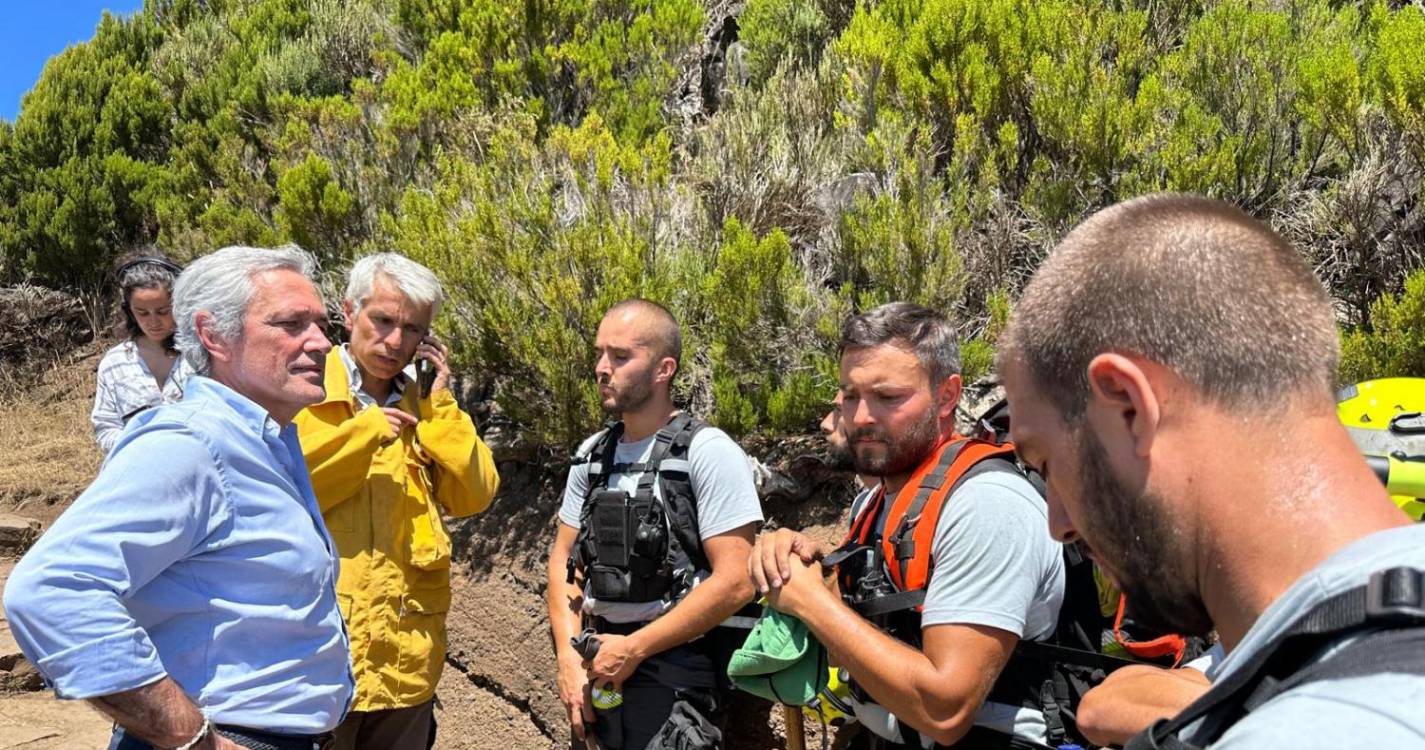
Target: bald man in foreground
(1170, 371)
(651, 553)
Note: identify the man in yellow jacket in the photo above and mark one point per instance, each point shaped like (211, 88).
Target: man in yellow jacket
(387, 462)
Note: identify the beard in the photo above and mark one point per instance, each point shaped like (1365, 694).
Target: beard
(1130, 528)
(838, 455)
(630, 396)
(902, 454)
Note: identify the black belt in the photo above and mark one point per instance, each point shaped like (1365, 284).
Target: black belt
(256, 739)
(253, 739)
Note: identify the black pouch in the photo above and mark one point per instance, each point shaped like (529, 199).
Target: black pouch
(611, 527)
(630, 546)
(650, 573)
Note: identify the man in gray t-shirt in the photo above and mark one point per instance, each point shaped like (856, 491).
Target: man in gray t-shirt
(995, 576)
(722, 482)
(655, 605)
(1170, 369)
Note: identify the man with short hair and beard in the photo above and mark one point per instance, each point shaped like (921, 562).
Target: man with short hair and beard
(932, 677)
(1170, 370)
(658, 518)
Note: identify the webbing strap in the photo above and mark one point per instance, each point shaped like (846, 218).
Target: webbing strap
(662, 444)
(599, 471)
(1053, 652)
(884, 605)
(1392, 598)
(903, 537)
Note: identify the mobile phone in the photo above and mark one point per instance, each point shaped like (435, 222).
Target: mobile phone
(425, 376)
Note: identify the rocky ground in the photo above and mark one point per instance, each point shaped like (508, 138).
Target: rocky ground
(498, 690)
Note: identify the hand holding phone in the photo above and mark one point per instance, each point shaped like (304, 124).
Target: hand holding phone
(432, 372)
(425, 376)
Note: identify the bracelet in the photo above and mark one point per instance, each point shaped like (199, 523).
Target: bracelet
(202, 734)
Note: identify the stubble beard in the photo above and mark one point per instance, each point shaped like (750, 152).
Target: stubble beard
(631, 397)
(902, 454)
(1130, 528)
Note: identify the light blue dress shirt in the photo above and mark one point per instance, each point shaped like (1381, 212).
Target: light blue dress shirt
(198, 553)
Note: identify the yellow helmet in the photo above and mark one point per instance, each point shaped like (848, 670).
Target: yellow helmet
(832, 706)
(1386, 419)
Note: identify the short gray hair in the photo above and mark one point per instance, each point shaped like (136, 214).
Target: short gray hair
(1191, 283)
(414, 281)
(917, 328)
(220, 284)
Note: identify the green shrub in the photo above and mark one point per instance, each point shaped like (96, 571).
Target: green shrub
(548, 158)
(782, 32)
(1395, 346)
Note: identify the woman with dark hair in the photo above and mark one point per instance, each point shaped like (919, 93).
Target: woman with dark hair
(145, 370)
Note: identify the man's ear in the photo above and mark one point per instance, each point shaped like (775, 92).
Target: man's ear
(947, 397)
(667, 368)
(219, 349)
(348, 314)
(1124, 401)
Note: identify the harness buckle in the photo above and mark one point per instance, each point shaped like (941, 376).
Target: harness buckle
(1396, 594)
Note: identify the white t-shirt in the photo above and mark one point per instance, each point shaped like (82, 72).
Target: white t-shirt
(724, 494)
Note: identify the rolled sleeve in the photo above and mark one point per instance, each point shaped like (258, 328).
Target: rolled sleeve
(156, 499)
(108, 665)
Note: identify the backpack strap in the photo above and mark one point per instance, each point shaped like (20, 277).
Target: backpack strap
(670, 466)
(865, 521)
(600, 458)
(906, 542)
(1389, 609)
(674, 437)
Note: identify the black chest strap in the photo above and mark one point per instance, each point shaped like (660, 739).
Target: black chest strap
(1387, 618)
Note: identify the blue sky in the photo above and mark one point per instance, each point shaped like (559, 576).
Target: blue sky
(36, 30)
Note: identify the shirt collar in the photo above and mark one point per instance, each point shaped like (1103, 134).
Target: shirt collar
(262, 423)
(353, 378)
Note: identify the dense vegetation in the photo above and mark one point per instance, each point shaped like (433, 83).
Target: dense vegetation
(763, 172)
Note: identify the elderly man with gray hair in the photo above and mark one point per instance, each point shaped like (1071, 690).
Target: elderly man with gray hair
(390, 454)
(189, 593)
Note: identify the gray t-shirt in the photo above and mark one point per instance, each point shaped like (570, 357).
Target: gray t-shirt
(994, 564)
(723, 492)
(1378, 711)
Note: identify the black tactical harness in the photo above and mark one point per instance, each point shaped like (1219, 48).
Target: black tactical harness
(642, 547)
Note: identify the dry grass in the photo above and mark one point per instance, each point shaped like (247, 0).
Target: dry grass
(45, 428)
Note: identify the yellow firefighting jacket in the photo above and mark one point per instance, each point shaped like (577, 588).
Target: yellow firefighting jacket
(383, 500)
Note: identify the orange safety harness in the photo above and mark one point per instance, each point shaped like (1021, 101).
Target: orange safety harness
(906, 543)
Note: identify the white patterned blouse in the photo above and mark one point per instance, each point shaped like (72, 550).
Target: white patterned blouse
(127, 387)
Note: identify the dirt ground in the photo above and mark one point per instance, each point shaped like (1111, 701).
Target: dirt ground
(497, 692)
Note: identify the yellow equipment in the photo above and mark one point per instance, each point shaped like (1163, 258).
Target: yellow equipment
(1386, 419)
(832, 706)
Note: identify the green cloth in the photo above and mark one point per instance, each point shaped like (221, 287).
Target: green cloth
(780, 661)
